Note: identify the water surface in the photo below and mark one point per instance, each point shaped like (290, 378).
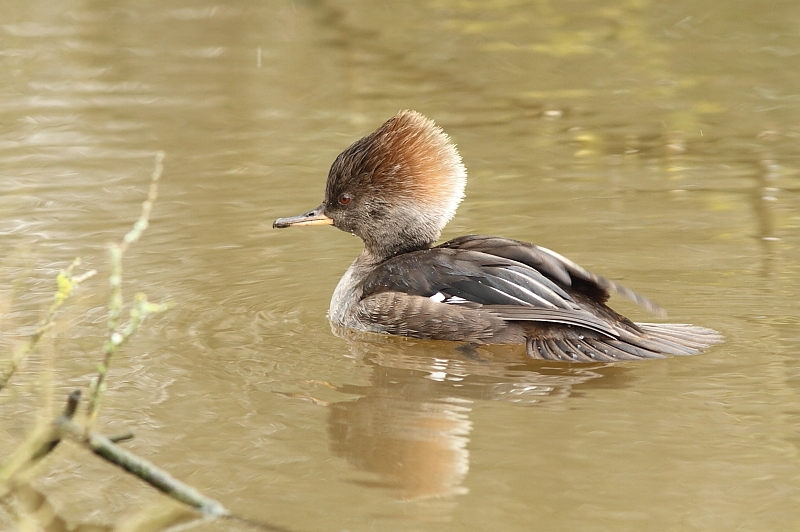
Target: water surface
(654, 144)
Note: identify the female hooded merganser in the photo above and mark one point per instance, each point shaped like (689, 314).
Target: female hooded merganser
(396, 189)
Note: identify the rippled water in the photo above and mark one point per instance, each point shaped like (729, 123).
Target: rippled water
(653, 144)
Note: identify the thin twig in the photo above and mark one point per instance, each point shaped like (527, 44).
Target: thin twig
(66, 283)
(125, 436)
(38, 445)
(115, 337)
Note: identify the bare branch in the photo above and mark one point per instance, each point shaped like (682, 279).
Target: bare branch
(156, 477)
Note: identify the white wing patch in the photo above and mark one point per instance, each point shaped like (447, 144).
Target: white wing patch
(444, 298)
(438, 297)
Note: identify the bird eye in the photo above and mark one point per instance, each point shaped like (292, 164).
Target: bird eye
(344, 199)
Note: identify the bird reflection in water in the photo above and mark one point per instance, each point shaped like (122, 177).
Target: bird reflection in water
(410, 427)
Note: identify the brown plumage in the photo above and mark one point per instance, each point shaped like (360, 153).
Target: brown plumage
(396, 189)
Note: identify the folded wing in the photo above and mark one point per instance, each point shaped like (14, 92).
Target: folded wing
(480, 288)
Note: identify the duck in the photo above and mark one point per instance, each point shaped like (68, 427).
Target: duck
(396, 189)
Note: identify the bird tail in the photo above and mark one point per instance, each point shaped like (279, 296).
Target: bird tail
(656, 340)
(680, 338)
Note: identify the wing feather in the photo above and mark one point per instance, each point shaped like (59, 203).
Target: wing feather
(552, 265)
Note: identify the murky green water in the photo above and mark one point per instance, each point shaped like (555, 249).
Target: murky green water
(653, 143)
